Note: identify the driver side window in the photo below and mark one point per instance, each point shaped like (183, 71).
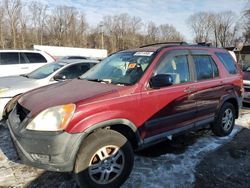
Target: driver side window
(177, 67)
(75, 71)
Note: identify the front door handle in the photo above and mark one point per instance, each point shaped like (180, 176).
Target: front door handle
(189, 90)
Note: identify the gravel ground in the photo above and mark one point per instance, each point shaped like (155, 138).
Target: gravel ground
(168, 164)
(228, 166)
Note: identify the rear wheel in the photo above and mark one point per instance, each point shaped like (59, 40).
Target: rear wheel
(224, 123)
(105, 159)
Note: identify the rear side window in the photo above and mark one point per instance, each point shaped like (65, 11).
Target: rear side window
(227, 61)
(205, 67)
(9, 58)
(35, 58)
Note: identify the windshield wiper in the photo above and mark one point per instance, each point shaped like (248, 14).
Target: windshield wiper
(24, 75)
(107, 81)
(122, 83)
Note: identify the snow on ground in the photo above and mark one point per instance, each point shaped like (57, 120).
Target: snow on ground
(167, 170)
(177, 170)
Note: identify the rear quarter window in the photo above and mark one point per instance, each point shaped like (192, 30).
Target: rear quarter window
(227, 61)
(35, 58)
(9, 58)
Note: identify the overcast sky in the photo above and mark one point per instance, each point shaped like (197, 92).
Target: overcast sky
(173, 12)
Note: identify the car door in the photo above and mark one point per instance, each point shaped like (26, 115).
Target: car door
(209, 87)
(9, 64)
(172, 107)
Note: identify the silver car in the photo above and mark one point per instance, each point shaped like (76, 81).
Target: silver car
(11, 86)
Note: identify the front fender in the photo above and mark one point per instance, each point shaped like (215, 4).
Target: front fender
(99, 120)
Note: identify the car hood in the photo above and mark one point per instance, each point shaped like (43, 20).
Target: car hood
(13, 81)
(16, 85)
(66, 92)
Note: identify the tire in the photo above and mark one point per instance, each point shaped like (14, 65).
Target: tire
(224, 123)
(104, 160)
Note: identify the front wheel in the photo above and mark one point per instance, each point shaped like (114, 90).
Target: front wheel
(224, 123)
(105, 159)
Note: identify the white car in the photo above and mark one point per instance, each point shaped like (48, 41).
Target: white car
(15, 62)
(11, 86)
(246, 82)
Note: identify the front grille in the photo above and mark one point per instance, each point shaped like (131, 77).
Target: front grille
(247, 89)
(21, 112)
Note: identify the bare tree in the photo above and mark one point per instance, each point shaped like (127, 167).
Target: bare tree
(246, 24)
(2, 26)
(81, 32)
(23, 29)
(39, 13)
(168, 33)
(225, 27)
(117, 27)
(135, 26)
(218, 28)
(201, 25)
(13, 10)
(22, 25)
(152, 33)
(123, 31)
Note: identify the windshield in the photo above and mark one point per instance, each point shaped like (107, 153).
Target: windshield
(124, 68)
(45, 71)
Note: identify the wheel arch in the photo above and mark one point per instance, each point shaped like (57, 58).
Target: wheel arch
(233, 101)
(123, 126)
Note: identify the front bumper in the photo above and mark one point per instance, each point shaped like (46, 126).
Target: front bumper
(246, 97)
(3, 102)
(53, 151)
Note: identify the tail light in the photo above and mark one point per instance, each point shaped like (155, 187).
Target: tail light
(50, 56)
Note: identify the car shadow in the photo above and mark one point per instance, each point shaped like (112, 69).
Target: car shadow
(53, 179)
(6, 145)
(177, 145)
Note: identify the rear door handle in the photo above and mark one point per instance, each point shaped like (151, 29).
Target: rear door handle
(24, 67)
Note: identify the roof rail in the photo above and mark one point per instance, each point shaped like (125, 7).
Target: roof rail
(166, 43)
(208, 44)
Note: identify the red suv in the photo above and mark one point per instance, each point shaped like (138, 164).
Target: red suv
(132, 99)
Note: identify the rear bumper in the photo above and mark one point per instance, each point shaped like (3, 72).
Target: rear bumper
(53, 151)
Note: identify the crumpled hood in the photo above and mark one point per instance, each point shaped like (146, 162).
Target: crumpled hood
(61, 93)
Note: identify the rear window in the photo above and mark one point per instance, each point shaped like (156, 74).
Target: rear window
(9, 58)
(228, 62)
(205, 67)
(35, 58)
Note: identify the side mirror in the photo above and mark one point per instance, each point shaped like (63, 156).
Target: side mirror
(59, 77)
(161, 80)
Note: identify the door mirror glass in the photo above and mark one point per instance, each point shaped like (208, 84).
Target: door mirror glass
(161, 80)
